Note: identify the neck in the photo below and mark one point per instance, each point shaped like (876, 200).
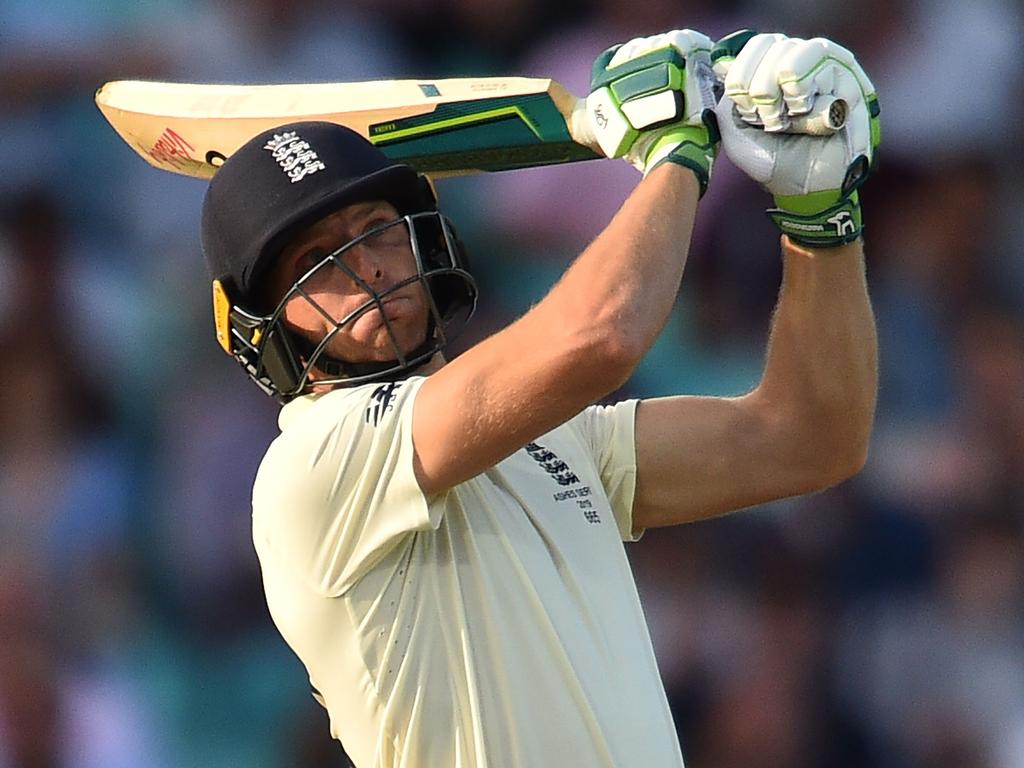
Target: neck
(437, 362)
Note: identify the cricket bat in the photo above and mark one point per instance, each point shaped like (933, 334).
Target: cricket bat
(441, 127)
(445, 127)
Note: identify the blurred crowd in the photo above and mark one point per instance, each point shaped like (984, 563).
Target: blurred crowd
(878, 624)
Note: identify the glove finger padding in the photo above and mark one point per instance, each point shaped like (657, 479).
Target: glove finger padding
(736, 73)
(814, 179)
(771, 78)
(699, 80)
(764, 89)
(646, 83)
(786, 164)
(819, 67)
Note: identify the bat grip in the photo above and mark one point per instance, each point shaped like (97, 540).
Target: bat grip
(827, 116)
(579, 127)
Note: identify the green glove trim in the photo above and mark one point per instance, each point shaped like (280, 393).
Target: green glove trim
(811, 204)
(686, 145)
(601, 75)
(874, 110)
(730, 45)
(803, 220)
(650, 80)
(826, 218)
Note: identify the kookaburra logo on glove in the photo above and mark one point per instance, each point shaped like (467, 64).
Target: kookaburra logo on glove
(771, 82)
(843, 222)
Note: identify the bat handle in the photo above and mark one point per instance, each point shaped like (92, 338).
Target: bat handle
(827, 116)
(579, 127)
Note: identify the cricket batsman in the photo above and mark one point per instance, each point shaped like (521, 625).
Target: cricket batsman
(441, 541)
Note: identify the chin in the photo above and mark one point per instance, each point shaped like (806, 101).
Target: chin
(376, 349)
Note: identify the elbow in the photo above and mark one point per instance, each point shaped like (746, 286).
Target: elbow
(606, 356)
(857, 452)
(841, 465)
(601, 342)
(621, 354)
(837, 445)
(815, 446)
(827, 426)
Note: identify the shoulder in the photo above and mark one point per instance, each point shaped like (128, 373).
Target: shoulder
(589, 435)
(369, 403)
(339, 431)
(596, 425)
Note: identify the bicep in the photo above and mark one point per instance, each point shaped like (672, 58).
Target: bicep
(698, 457)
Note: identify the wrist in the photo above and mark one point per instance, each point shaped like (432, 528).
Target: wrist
(791, 247)
(678, 176)
(688, 146)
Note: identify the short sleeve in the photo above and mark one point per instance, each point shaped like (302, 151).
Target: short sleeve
(337, 489)
(608, 432)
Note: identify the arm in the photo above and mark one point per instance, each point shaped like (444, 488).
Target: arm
(804, 427)
(581, 342)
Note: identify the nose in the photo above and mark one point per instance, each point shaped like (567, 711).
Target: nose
(366, 264)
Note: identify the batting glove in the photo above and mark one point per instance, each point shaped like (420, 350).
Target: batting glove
(771, 82)
(652, 101)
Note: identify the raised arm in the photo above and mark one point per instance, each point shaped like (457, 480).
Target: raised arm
(806, 426)
(584, 339)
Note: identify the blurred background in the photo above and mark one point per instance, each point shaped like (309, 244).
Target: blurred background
(877, 624)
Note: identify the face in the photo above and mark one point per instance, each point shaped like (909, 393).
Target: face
(381, 261)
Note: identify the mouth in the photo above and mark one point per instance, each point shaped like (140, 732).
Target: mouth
(394, 308)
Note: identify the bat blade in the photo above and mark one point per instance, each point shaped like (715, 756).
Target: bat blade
(442, 127)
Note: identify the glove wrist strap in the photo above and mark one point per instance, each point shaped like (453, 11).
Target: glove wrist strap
(688, 146)
(819, 220)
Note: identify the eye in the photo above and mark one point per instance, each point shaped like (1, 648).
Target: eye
(393, 236)
(309, 258)
(376, 222)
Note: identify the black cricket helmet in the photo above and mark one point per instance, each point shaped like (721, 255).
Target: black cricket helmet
(281, 182)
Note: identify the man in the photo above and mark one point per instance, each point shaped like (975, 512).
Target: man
(441, 541)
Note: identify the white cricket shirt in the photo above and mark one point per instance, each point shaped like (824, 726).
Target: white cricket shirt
(494, 625)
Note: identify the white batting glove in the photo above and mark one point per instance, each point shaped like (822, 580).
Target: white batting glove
(771, 81)
(652, 101)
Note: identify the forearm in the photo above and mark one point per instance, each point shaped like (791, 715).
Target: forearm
(612, 303)
(579, 343)
(625, 283)
(821, 371)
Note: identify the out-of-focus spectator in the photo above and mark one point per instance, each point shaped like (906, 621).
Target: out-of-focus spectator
(936, 675)
(65, 505)
(878, 624)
